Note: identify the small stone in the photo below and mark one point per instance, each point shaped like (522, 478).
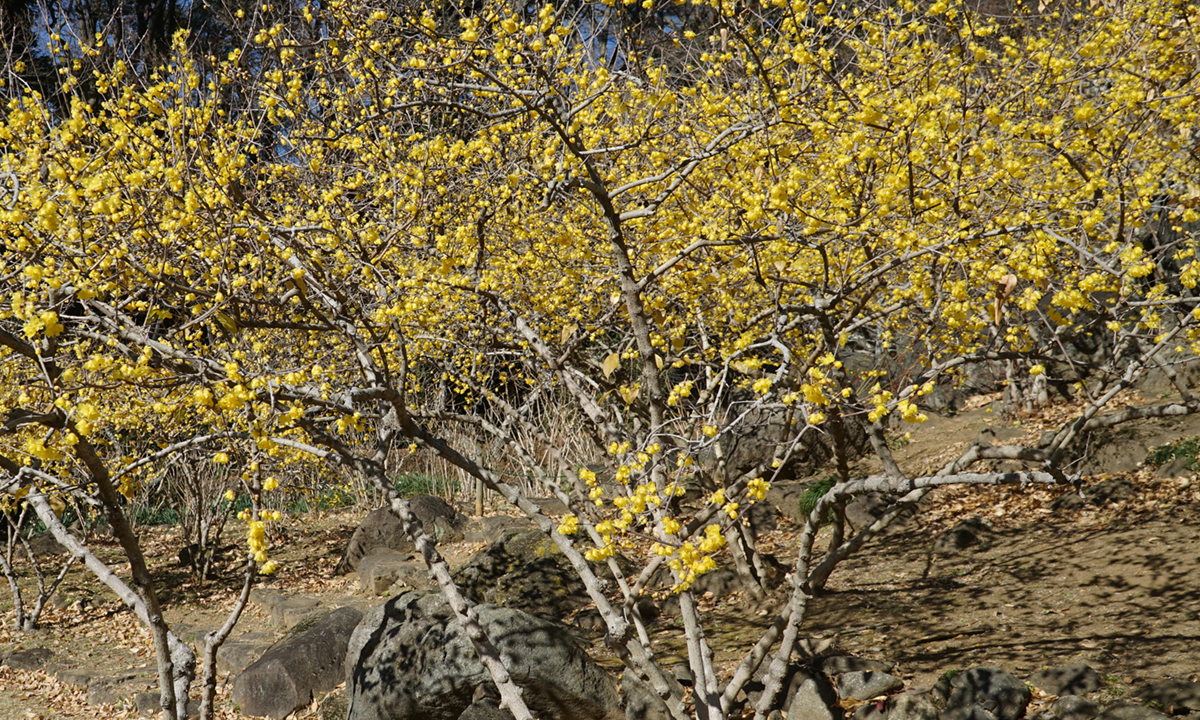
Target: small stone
(812, 699)
(75, 677)
(1129, 711)
(968, 533)
(589, 619)
(149, 703)
(640, 701)
(1069, 501)
(967, 712)
(1173, 695)
(1077, 679)
(913, 705)
(870, 711)
(1109, 491)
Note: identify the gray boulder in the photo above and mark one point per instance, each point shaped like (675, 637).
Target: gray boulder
(1074, 707)
(380, 529)
(945, 399)
(523, 570)
(762, 518)
(991, 689)
(410, 659)
(864, 510)
(1077, 679)
(866, 684)
(309, 660)
(551, 505)
(44, 545)
(785, 497)
(838, 664)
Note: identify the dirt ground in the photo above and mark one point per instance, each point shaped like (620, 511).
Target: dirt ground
(1117, 587)
(1122, 595)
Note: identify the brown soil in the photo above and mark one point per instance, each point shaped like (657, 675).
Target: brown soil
(1116, 587)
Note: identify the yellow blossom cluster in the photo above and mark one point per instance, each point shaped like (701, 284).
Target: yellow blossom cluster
(406, 212)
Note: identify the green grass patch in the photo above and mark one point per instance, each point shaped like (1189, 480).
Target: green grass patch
(146, 515)
(1187, 448)
(410, 484)
(328, 498)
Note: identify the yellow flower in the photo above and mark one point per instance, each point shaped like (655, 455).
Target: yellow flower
(756, 489)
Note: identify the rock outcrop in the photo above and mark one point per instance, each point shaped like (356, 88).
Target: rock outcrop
(524, 570)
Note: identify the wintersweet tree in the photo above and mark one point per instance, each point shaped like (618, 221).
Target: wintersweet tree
(802, 218)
